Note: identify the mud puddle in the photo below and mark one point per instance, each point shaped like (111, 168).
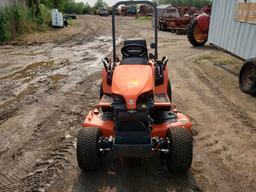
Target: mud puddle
(63, 67)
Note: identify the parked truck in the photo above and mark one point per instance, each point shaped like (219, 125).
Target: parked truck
(232, 28)
(131, 10)
(103, 12)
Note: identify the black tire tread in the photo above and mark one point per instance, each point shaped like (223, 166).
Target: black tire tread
(87, 148)
(190, 34)
(252, 90)
(181, 149)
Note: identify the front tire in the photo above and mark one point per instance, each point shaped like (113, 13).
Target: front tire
(247, 77)
(88, 155)
(180, 154)
(194, 35)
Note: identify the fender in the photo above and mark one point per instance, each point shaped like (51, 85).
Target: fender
(203, 21)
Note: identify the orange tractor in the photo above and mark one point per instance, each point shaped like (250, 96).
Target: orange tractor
(135, 116)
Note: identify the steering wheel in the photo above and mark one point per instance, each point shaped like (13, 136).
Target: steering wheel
(134, 50)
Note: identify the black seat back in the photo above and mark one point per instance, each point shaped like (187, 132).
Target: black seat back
(136, 41)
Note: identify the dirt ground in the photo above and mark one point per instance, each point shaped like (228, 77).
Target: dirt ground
(50, 80)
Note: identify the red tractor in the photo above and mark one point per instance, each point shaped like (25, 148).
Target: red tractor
(135, 116)
(197, 31)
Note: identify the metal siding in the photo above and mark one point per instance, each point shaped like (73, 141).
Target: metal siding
(236, 37)
(253, 51)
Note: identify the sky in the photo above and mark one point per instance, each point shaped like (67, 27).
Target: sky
(91, 2)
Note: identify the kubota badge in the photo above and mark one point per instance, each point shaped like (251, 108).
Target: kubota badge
(133, 83)
(131, 101)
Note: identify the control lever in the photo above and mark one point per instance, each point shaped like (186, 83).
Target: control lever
(104, 61)
(165, 60)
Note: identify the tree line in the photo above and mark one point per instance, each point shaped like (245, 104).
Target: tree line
(194, 3)
(68, 6)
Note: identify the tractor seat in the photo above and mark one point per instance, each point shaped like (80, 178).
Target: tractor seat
(134, 51)
(134, 60)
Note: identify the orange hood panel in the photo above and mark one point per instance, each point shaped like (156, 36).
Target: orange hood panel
(131, 81)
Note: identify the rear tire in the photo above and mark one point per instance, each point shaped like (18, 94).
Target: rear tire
(88, 155)
(247, 77)
(180, 154)
(190, 34)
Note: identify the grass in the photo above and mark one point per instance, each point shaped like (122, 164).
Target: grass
(143, 18)
(70, 22)
(216, 59)
(16, 21)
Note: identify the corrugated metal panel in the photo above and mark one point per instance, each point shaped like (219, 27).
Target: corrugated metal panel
(236, 37)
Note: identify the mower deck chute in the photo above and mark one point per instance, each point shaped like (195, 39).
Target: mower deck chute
(135, 116)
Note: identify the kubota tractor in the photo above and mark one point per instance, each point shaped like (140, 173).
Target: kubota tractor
(135, 116)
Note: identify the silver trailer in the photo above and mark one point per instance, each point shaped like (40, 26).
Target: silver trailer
(231, 27)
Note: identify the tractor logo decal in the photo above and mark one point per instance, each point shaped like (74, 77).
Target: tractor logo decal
(131, 101)
(133, 83)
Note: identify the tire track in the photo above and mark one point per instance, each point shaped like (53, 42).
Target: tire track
(52, 147)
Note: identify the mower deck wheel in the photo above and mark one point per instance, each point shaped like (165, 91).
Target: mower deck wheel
(180, 153)
(88, 155)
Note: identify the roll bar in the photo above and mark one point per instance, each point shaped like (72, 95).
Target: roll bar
(113, 22)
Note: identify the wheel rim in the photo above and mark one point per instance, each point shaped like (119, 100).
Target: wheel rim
(198, 35)
(248, 77)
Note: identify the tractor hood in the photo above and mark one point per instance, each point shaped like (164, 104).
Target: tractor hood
(131, 81)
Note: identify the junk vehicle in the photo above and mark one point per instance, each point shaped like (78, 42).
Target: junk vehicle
(123, 10)
(177, 19)
(135, 116)
(103, 12)
(232, 28)
(131, 10)
(170, 19)
(144, 10)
